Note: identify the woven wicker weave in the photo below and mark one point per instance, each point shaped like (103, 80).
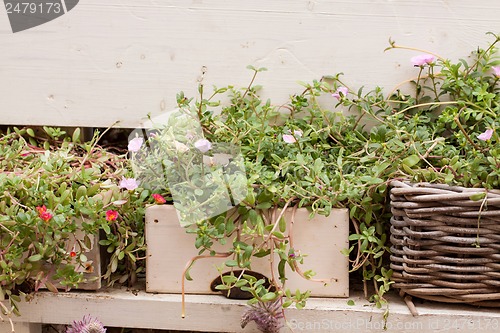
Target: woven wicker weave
(445, 246)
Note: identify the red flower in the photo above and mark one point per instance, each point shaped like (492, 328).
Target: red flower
(43, 213)
(159, 199)
(111, 215)
(72, 254)
(42, 209)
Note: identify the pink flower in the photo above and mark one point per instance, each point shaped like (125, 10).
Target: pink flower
(292, 138)
(135, 144)
(87, 325)
(129, 183)
(288, 138)
(111, 215)
(159, 199)
(180, 147)
(486, 135)
(422, 60)
(340, 92)
(268, 316)
(203, 145)
(496, 69)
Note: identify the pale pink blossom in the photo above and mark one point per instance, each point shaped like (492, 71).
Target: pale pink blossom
(87, 325)
(340, 92)
(422, 60)
(129, 183)
(203, 145)
(180, 147)
(486, 135)
(496, 70)
(135, 144)
(297, 133)
(288, 138)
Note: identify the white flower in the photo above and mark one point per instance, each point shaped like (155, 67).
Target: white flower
(203, 145)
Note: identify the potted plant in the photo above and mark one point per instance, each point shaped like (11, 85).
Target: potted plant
(277, 163)
(438, 142)
(57, 195)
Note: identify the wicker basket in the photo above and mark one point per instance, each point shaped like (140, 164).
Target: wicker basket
(446, 246)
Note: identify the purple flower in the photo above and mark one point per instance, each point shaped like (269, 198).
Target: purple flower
(135, 144)
(496, 70)
(288, 138)
(340, 92)
(203, 145)
(268, 316)
(422, 60)
(486, 135)
(87, 325)
(129, 183)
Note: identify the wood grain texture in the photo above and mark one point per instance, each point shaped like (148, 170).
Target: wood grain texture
(118, 60)
(20, 327)
(213, 313)
(321, 239)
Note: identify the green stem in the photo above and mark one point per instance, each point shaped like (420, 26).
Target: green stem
(200, 114)
(433, 79)
(417, 89)
(394, 46)
(249, 86)
(457, 121)
(481, 55)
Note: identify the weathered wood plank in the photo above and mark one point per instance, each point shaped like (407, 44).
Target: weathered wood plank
(213, 313)
(119, 60)
(5, 327)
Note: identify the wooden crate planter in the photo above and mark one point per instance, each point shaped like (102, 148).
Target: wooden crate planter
(169, 248)
(93, 267)
(91, 270)
(445, 246)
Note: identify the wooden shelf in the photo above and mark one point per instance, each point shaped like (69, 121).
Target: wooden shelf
(214, 313)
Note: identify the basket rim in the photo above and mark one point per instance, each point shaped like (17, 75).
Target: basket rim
(406, 183)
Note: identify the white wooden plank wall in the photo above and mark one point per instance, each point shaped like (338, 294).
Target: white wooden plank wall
(118, 60)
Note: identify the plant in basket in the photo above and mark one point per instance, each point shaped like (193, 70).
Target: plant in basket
(57, 194)
(439, 133)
